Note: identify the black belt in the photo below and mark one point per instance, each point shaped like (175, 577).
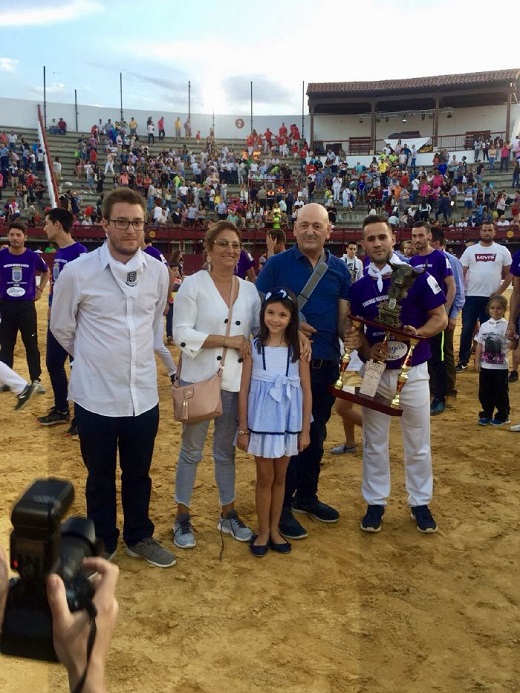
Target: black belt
(320, 363)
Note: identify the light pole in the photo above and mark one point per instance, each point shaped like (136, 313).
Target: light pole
(251, 106)
(121, 93)
(44, 99)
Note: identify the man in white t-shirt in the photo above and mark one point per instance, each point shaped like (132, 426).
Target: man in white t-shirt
(486, 272)
(354, 264)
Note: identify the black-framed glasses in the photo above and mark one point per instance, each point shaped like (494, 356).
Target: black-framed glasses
(222, 243)
(123, 224)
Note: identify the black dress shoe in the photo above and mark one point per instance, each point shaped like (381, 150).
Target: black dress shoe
(258, 550)
(284, 547)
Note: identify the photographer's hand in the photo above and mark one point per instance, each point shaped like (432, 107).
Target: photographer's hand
(71, 630)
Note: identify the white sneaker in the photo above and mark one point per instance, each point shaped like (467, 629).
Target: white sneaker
(343, 449)
(515, 428)
(39, 387)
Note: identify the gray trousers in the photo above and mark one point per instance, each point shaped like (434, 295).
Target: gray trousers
(192, 446)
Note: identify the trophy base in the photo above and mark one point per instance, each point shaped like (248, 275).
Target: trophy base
(378, 403)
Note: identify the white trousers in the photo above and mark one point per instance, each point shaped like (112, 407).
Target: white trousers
(163, 352)
(415, 432)
(9, 377)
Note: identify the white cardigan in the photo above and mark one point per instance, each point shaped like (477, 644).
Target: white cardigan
(199, 311)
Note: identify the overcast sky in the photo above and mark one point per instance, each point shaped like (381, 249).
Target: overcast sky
(220, 46)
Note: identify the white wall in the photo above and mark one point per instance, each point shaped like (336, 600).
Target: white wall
(22, 113)
(336, 128)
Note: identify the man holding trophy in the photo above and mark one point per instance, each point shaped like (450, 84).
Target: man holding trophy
(397, 315)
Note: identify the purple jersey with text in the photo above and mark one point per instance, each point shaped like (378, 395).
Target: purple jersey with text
(425, 294)
(436, 263)
(18, 274)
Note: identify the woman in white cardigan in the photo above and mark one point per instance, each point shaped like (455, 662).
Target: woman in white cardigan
(199, 328)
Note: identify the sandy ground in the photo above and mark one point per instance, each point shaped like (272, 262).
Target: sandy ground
(395, 612)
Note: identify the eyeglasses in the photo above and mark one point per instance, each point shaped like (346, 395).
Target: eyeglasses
(236, 245)
(123, 224)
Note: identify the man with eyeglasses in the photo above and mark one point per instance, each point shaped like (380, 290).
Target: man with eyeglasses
(107, 309)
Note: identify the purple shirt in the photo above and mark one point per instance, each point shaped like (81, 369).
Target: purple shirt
(515, 265)
(153, 252)
(245, 262)
(436, 263)
(18, 274)
(61, 258)
(425, 294)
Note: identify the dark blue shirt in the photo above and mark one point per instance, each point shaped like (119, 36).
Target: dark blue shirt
(293, 270)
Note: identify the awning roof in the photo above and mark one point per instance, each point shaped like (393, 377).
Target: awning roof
(460, 90)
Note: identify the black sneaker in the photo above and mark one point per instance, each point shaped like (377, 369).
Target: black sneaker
(25, 396)
(72, 432)
(424, 519)
(373, 518)
(289, 526)
(315, 508)
(54, 417)
(461, 367)
(513, 377)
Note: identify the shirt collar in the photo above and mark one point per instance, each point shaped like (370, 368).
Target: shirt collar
(299, 255)
(104, 255)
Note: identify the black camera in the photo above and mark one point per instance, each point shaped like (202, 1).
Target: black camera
(40, 545)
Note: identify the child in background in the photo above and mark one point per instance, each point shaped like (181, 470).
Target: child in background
(492, 366)
(274, 412)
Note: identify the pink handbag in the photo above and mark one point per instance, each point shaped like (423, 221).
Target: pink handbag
(201, 401)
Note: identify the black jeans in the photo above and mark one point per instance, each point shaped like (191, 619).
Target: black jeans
(55, 361)
(304, 469)
(20, 316)
(100, 438)
(437, 368)
(493, 393)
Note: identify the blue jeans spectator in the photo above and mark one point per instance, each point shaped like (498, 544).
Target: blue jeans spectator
(474, 309)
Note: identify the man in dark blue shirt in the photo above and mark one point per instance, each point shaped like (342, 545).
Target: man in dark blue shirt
(324, 321)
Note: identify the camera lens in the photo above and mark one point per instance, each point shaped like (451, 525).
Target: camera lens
(78, 541)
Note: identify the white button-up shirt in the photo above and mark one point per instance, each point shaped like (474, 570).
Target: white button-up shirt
(199, 311)
(110, 331)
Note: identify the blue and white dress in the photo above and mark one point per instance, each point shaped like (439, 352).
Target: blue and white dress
(275, 405)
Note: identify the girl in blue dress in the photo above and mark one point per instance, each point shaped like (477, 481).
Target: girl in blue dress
(274, 411)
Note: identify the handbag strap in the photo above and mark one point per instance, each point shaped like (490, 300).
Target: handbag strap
(232, 296)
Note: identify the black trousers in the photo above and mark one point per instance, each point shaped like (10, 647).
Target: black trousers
(437, 368)
(493, 393)
(100, 438)
(20, 316)
(304, 469)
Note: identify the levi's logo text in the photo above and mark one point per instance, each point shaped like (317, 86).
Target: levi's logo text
(485, 257)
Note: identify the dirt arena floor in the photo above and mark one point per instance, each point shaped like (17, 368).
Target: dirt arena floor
(395, 612)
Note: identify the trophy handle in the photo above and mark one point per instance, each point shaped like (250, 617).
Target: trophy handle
(403, 374)
(345, 360)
